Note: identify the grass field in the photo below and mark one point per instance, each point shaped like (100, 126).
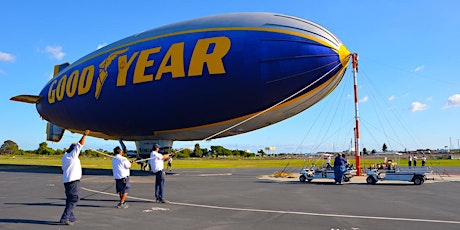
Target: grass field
(269, 162)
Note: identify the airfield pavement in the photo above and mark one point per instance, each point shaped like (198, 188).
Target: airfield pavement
(32, 197)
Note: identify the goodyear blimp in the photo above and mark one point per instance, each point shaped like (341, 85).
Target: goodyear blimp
(193, 79)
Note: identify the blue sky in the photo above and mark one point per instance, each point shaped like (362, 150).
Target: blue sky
(409, 89)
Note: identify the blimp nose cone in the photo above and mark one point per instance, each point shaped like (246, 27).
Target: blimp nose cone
(344, 55)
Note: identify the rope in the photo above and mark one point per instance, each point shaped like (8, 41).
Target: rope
(94, 150)
(273, 106)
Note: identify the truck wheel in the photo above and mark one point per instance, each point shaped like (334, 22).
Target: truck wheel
(418, 180)
(370, 180)
(302, 178)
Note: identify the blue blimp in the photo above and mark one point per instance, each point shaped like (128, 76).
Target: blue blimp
(199, 79)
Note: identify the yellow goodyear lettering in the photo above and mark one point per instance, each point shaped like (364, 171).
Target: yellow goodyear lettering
(123, 67)
(207, 51)
(68, 86)
(52, 92)
(86, 79)
(72, 83)
(142, 63)
(213, 60)
(60, 90)
(175, 57)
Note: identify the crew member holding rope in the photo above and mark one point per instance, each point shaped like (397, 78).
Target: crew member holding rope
(157, 166)
(120, 169)
(71, 175)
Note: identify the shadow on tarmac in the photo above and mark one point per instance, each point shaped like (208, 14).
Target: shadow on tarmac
(23, 221)
(58, 170)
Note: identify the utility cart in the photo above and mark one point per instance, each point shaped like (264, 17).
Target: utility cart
(324, 173)
(417, 175)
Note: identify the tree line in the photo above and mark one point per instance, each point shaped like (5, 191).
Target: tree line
(11, 148)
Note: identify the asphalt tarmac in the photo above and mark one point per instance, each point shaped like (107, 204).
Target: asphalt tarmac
(32, 197)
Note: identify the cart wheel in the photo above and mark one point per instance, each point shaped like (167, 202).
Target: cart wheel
(418, 180)
(346, 179)
(302, 178)
(309, 180)
(371, 180)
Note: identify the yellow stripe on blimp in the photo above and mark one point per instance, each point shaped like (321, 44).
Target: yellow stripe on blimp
(298, 34)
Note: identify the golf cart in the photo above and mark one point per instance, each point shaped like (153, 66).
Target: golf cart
(417, 175)
(324, 173)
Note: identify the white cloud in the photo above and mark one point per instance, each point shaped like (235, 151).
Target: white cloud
(453, 101)
(55, 51)
(418, 68)
(391, 98)
(101, 45)
(6, 57)
(364, 99)
(417, 106)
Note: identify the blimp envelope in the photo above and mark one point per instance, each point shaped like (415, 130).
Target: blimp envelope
(192, 79)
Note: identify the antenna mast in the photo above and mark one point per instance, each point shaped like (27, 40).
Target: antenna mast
(355, 80)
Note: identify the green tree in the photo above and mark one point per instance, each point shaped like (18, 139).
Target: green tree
(43, 149)
(365, 151)
(261, 152)
(184, 153)
(9, 147)
(217, 150)
(205, 152)
(197, 152)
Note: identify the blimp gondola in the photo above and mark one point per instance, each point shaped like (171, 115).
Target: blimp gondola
(203, 78)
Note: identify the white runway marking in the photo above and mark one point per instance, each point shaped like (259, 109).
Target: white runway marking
(155, 209)
(287, 212)
(216, 174)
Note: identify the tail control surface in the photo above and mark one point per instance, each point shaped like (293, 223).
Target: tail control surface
(54, 133)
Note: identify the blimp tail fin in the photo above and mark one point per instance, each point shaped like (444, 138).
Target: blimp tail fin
(32, 99)
(58, 68)
(54, 133)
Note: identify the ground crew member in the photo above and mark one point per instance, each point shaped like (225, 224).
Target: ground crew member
(156, 162)
(120, 169)
(71, 175)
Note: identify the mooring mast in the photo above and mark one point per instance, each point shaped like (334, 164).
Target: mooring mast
(354, 57)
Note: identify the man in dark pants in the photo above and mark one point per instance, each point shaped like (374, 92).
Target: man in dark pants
(156, 162)
(71, 175)
(339, 168)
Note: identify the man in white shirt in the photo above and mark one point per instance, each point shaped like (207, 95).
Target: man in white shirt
(156, 162)
(328, 162)
(71, 175)
(120, 169)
